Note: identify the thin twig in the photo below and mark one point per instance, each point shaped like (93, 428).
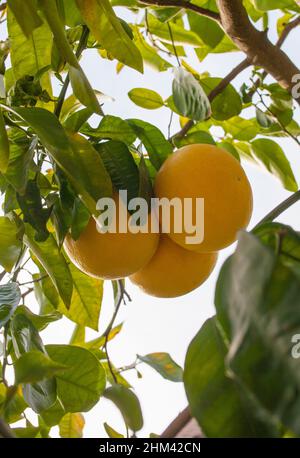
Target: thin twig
(81, 46)
(185, 5)
(3, 6)
(37, 280)
(282, 207)
(4, 363)
(173, 44)
(110, 326)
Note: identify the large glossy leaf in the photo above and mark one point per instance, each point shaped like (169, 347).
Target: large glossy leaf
(128, 404)
(164, 365)
(111, 128)
(81, 385)
(108, 30)
(157, 147)
(189, 97)
(29, 55)
(40, 395)
(35, 366)
(263, 324)
(53, 262)
(26, 15)
(219, 405)
(271, 155)
(121, 166)
(208, 30)
(74, 154)
(10, 245)
(179, 34)
(227, 104)
(240, 128)
(10, 296)
(86, 299)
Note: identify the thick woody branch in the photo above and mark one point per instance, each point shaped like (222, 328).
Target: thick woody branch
(255, 44)
(184, 4)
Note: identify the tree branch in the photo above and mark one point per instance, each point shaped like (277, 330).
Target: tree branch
(5, 430)
(255, 44)
(184, 4)
(282, 207)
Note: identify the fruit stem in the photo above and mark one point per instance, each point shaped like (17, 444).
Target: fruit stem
(282, 207)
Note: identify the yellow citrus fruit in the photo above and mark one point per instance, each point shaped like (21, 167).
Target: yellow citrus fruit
(111, 255)
(211, 173)
(174, 271)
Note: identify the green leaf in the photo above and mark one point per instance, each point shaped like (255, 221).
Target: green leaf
(189, 97)
(266, 5)
(53, 262)
(41, 395)
(208, 30)
(74, 155)
(112, 433)
(29, 55)
(215, 400)
(75, 121)
(86, 299)
(240, 128)
(10, 245)
(70, 13)
(112, 128)
(53, 415)
(26, 15)
(80, 84)
(4, 145)
(227, 104)
(80, 386)
(20, 161)
(71, 426)
(128, 404)
(30, 432)
(150, 55)
(263, 119)
(180, 35)
(146, 98)
(198, 136)
(230, 148)
(271, 155)
(83, 90)
(35, 366)
(40, 322)
(157, 147)
(164, 365)
(121, 166)
(108, 30)
(10, 296)
(263, 324)
(97, 343)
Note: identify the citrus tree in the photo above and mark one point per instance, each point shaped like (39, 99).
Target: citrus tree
(56, 162)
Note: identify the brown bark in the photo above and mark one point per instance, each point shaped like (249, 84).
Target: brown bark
(255, 44)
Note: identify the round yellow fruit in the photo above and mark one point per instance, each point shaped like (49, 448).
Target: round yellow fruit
(111, 255)
(211, 173)
(174, 271)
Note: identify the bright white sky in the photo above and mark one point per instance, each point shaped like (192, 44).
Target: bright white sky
(155, 324)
